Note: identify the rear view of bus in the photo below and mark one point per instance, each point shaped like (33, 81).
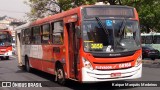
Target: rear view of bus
(5, 44)
(111, 43)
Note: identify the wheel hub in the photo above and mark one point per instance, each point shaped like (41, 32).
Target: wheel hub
(60, 74)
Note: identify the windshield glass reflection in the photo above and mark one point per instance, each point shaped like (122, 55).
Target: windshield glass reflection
(123, 35)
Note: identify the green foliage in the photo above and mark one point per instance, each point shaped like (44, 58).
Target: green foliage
(65, 4)
(37, 8)
(149, 13)
(68, 4)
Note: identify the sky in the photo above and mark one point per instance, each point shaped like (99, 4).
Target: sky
(14, 8)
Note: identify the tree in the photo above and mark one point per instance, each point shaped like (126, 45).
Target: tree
(42, 8)
(149, 13)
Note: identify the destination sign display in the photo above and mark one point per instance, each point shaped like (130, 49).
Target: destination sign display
(109, 12)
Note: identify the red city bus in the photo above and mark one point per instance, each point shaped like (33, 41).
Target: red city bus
(5, 44)
(86, 44)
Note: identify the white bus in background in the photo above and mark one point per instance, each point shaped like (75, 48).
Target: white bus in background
(151, 39)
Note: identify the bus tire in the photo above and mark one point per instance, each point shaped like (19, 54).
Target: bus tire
(7, 57)
(60, 76)
(153, 58)
(27, 66)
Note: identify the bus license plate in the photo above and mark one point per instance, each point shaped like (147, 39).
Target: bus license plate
(118, 74)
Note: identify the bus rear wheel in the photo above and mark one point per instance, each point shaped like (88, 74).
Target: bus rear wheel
(7, 57)
(60, 76)
(153, 58)
(27, 66)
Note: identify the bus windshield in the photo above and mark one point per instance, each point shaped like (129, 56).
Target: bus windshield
(5, 39)
(123, 35)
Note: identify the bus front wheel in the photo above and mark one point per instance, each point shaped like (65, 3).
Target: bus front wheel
(60, 76)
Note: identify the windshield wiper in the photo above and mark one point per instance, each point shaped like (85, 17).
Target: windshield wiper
(123, 25)
(102, 25)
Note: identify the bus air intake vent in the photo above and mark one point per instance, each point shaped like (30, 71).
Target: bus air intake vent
(112, 55)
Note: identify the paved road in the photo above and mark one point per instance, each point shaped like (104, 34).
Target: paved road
(10, 72)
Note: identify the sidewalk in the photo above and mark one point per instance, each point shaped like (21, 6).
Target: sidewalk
(157, 61)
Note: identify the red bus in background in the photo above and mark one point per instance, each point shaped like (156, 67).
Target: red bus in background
(86, 44)
(5, 44)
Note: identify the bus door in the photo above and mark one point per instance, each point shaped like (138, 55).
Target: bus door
(18, 47)
(73, 50)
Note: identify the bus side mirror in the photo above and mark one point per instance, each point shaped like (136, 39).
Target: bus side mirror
(78, 31)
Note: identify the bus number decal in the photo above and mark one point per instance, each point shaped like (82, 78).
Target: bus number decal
(125, 65)
(96, 46)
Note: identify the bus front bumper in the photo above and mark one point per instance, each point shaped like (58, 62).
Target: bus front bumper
(9, 53)
(90, 76)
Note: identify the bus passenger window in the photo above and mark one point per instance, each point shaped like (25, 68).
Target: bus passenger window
(45, 33)
(27, 36)
(36, 38)
(156, 39)
(149, 40)
(23, 37)
(143, 39)
(58, 33)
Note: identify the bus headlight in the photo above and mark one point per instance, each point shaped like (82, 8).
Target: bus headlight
(138, 61)
(87, 64)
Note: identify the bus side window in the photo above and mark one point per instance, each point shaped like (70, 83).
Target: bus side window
(156, 39)
(143, 39)
(58, 33)
(27, 35)
(149, 40)
(45, 33)
(36, 35)
(23, 37)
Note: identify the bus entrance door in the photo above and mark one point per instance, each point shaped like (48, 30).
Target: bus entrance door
(73, 50)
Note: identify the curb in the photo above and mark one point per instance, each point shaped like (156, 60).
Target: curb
(150, 61)
(147, 61)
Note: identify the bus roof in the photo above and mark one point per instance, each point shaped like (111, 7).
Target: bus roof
(148, 34)
(19, 28)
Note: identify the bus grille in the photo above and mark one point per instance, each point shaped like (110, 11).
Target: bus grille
(113, 55)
